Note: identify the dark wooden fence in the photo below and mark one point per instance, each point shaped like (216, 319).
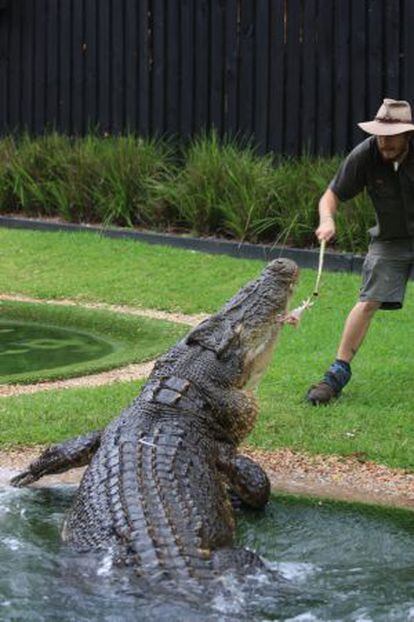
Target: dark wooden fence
(295, 74)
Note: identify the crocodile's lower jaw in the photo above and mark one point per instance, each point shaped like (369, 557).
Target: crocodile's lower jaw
(259, 360)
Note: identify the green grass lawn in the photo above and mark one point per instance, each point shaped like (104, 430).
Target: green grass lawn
(52, 416)
(85, 266)
(373, 419)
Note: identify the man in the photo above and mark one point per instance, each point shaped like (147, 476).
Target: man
(384, 165)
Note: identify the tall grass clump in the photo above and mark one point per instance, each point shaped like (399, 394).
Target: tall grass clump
(7, 152)
(93, 179)
(298, 185)
(222, 189)
(33, 169)
(117, 180)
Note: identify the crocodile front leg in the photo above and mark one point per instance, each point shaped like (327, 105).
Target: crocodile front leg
(237, 559)
(247, 480)
(70, 454)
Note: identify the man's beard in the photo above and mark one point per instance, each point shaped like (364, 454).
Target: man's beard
(392, 155)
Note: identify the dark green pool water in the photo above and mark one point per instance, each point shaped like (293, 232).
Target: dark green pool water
(30, 347)
(341, 563)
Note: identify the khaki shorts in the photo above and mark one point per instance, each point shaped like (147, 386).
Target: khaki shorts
(386, 270)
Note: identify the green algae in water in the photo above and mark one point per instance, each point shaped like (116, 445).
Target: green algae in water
(341, 563)
(30, 347)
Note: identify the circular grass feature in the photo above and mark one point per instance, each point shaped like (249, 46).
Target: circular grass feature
(58, 342)
(27, 347)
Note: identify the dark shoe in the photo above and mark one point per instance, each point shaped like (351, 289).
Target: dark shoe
(331, 385)
(321, 393)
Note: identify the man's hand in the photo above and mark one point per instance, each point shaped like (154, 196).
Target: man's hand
(327, 208)
(326, 230)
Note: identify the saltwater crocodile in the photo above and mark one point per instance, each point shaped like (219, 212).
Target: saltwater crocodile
(156, 492)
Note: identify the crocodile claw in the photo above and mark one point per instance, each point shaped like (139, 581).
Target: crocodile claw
(23, 479)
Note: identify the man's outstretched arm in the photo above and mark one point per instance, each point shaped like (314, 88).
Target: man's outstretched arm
(328, 205)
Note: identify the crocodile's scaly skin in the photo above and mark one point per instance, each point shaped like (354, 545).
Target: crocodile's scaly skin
(157, 489)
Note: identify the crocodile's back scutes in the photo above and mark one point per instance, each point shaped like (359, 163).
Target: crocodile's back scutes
(152, 490)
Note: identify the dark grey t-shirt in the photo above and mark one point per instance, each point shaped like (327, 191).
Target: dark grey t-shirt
(391, 192)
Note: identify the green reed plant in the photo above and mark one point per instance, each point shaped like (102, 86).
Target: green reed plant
(35, 166)
(221, 188)
(110, 180)
(299, 183)
(119, 178)
(7, 152)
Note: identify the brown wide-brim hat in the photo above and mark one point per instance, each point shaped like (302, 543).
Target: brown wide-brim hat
(393, 117)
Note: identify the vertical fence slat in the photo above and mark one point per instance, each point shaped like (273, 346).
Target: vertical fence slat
(64, 54)
(27, 106)
(4, 68)
(201, 65)
(375, 56)
(158, 67)
(15, 66)
(232, 62)
(52, 56)
(277, 76)
(104, 60)
(173, 64)
(117, 66)
(143, 68)
(78, 56)
(357, 103)
(90, 52)
(261, 111)
(408, 52)
(325, 74)
(39, 66)
(292, 94)
(342, 77)
(309, 75)
(131, 65)
(392, 50)
(246, 89)
(217, 65)
(187, 68)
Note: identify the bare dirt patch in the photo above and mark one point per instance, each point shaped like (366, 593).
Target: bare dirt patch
(123, 374)
(336, 477)
(179, 318)
(330, 477)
